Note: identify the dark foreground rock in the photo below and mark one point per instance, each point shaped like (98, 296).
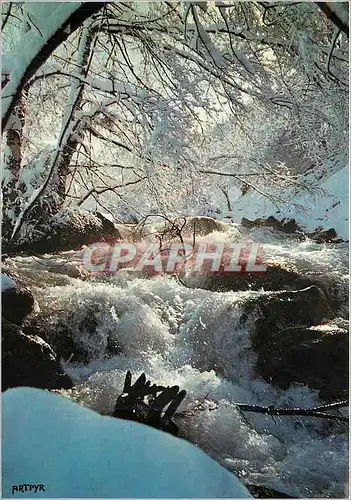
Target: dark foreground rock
(335, 291)
(17, 303)
(258, 491)
(27, 360)
(75, 334)
(292, 349)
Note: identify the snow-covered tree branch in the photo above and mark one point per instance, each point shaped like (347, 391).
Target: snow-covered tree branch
(148, 94)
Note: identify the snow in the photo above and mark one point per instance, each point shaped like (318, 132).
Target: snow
(6, 283)
(328, 208)
(75, 452)
(47, 17)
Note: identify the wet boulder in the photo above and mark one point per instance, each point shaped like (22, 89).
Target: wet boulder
(289, 347)
(323, 236)
(17, 300)
(279, 310)
(335, 290)
(70, 229)
(288, 226)
(27, 360)
(316, 356)
(75, 334)
(74, 228)
(276, 277)
(202, 226)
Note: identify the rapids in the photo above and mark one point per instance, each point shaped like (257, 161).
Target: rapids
(193, 338)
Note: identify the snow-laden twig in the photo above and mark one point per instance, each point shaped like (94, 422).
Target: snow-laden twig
(318, 411)
(108, 188)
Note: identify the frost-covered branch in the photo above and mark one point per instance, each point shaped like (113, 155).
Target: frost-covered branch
(316, 412)
(99, 191)
(58, 22)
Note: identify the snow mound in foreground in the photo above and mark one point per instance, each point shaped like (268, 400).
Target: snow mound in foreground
(6, 283)
(75, 452)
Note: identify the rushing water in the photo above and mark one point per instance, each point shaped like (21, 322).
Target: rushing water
(193, 338)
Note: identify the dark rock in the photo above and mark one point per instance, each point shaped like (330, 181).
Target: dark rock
(274, 278)
(290, 349)
(248, 223)
(317, 357)
(108, 229)
(288, 226)
(70, 230)
(323, 236)
(202, 226)
(338, 240)
(27, 360)
(259, 491)
(74, 334)
(73, 229)
(280, 310)
(335, 291)
(17, 303)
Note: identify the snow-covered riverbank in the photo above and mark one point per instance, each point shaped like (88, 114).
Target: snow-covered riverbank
(327, 206)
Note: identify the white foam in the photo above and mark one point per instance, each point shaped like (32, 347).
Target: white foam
(193, 338)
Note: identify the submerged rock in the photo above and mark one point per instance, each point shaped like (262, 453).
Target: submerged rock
(27, 360)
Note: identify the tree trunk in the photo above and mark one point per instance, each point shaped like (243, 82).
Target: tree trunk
(13, 188)
(70, 144)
